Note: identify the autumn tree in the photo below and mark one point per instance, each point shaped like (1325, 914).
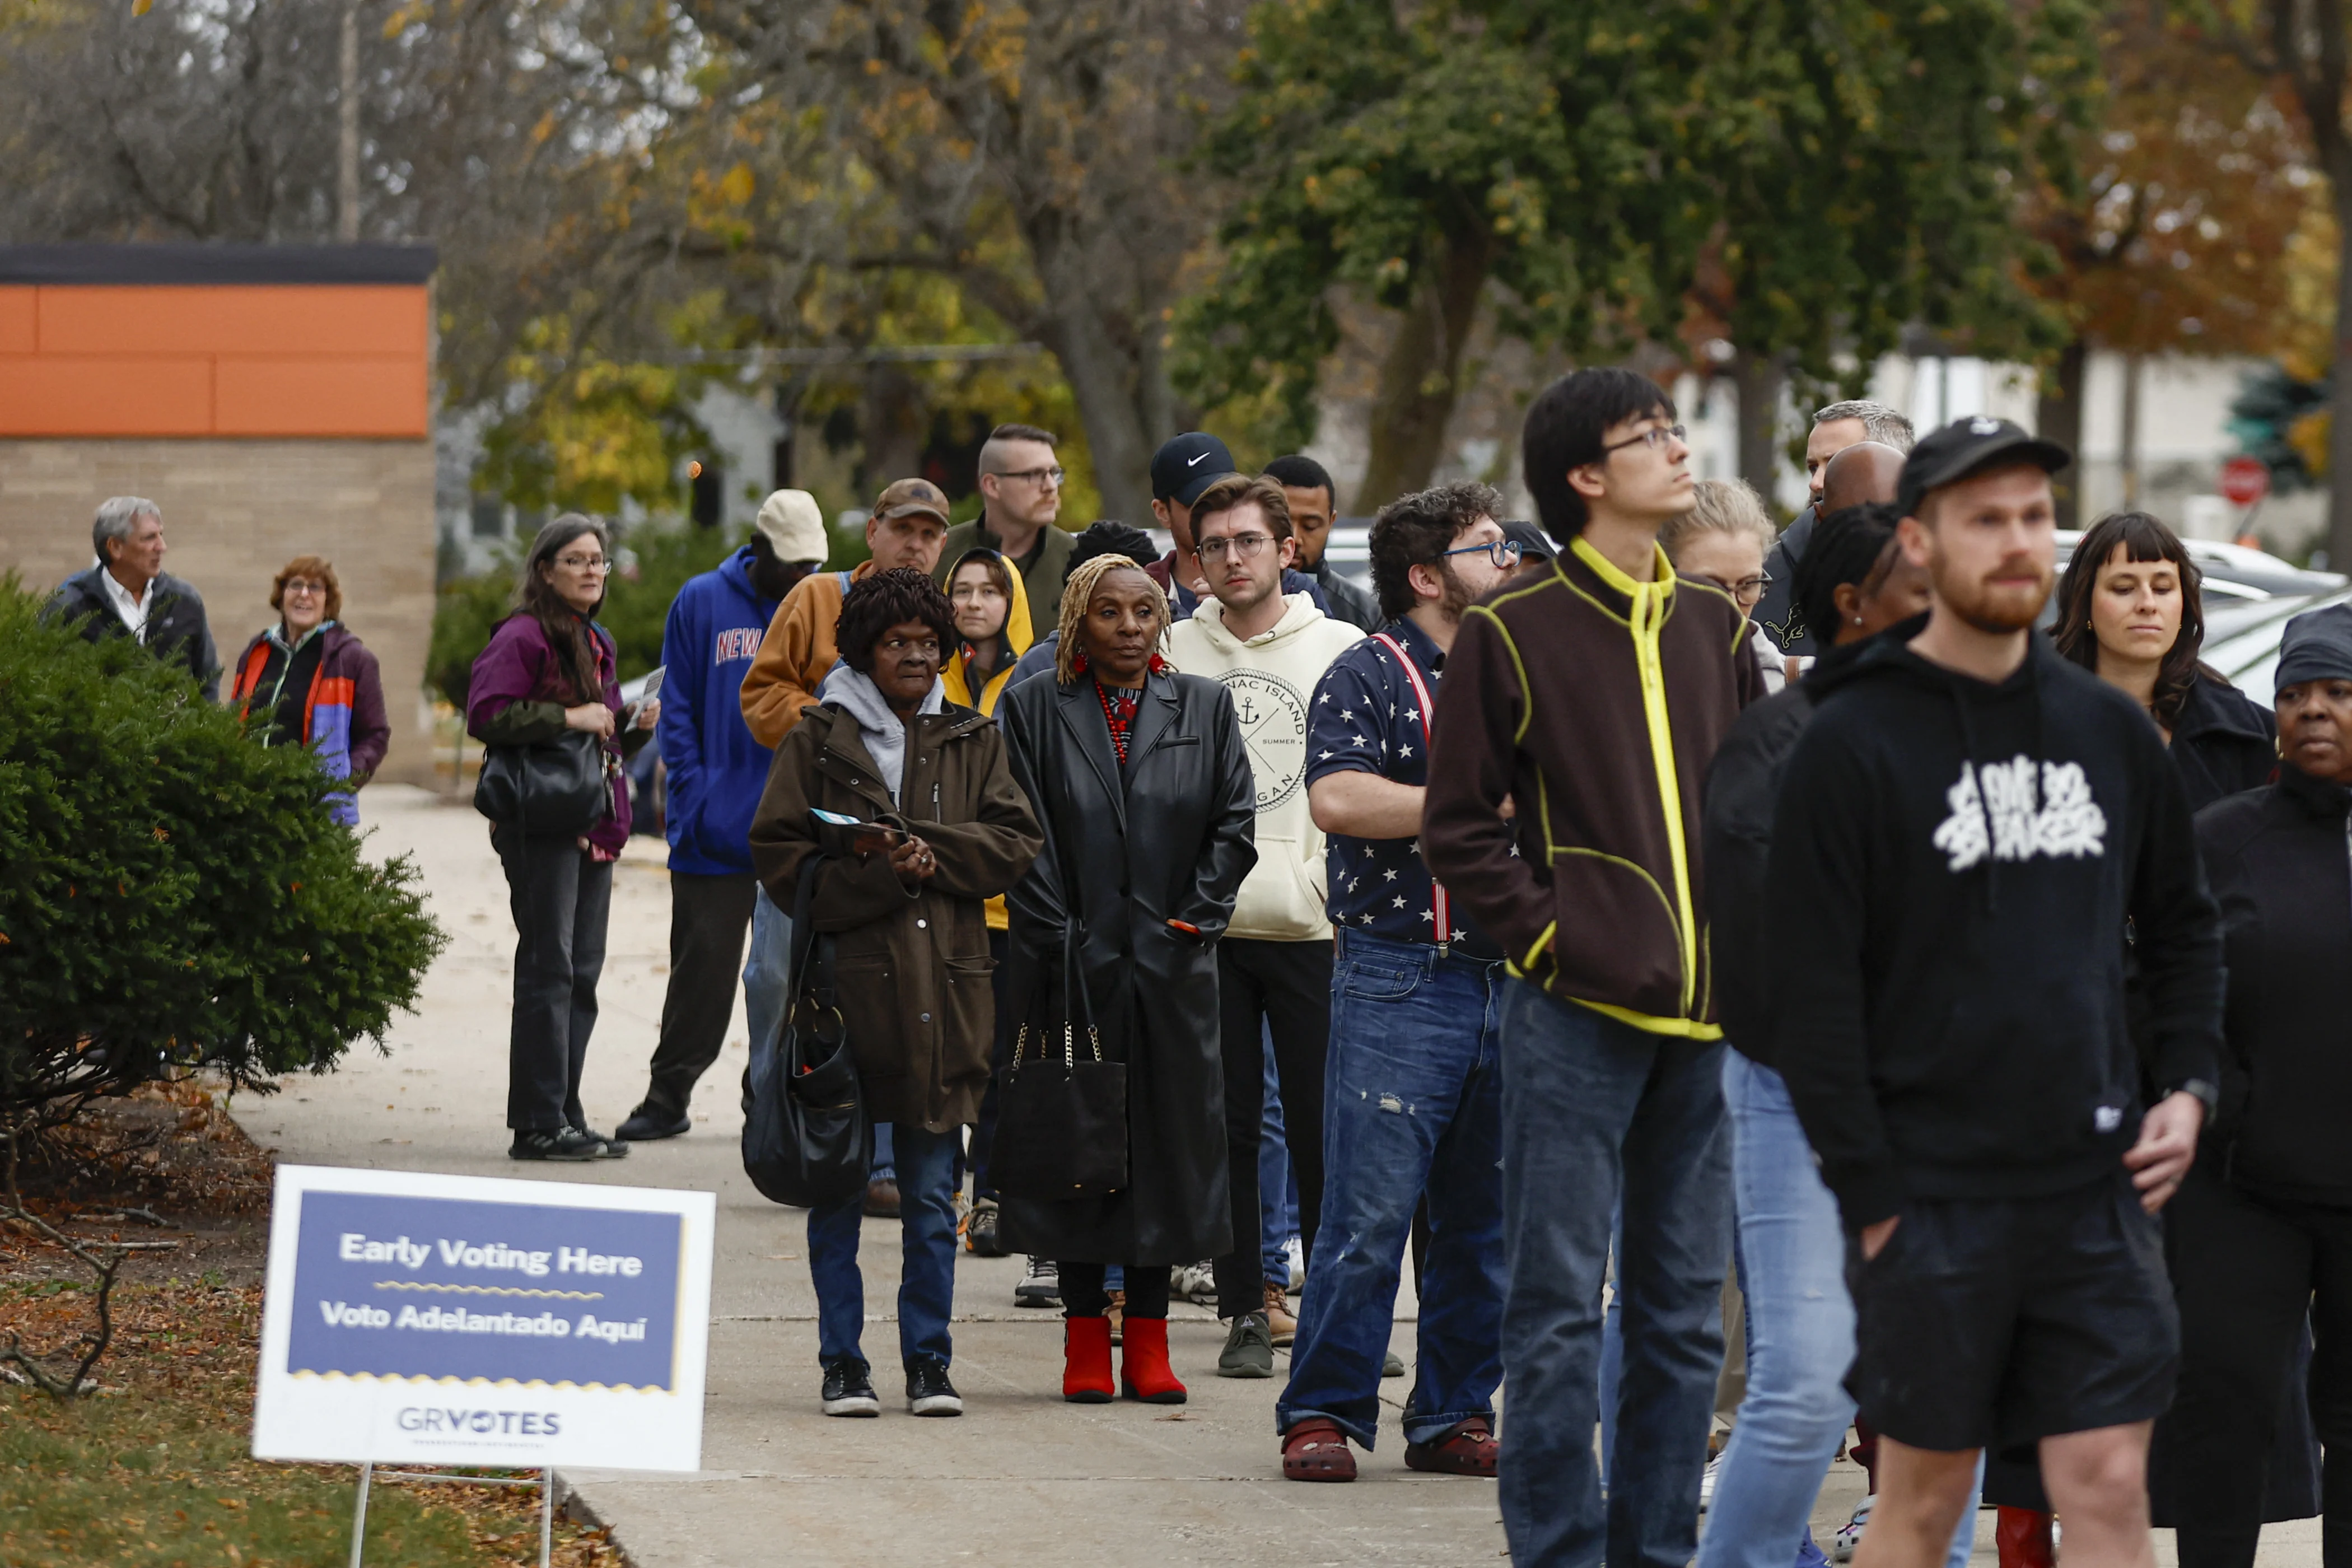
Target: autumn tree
(2171, 239)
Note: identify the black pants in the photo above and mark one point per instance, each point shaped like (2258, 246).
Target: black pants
(2247, 1271)
(1284, 989)
(708, 918)
(1083, 1295)
(984, 1133)
(561, 897)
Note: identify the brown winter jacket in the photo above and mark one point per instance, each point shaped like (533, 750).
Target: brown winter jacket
(1595, 704)
(912, 968)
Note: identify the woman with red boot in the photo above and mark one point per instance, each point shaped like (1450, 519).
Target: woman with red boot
(1139, 779)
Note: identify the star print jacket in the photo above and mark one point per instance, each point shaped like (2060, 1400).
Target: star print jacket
(1593, 702)
(1272, 678)
(1371, 716)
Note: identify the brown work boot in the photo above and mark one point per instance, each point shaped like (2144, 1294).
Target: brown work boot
(1279, 1318)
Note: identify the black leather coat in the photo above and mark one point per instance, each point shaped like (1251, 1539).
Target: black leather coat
(1169, 836)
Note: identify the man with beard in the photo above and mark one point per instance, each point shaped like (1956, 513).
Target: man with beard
(1964, 831)
(1416, 994)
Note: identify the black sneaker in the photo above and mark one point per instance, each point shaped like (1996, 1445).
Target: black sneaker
(613, 1148)
(981, 1236)
(644, 1124)
(928, 1391)
(568, 1144)
(849, 1388)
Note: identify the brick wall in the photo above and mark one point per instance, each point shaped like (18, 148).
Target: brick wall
(234, 512)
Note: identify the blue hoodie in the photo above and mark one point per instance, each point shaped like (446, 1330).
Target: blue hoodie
(716, 770)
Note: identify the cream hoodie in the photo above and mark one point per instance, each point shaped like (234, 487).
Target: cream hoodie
(1272, 679)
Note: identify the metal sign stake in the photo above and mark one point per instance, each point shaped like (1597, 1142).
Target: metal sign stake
(546, 1485)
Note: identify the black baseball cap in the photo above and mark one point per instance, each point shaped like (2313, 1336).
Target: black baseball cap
(1533, 545)
(1188, 464)
(1967, 446)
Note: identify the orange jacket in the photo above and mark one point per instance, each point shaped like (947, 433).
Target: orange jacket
(796, 654)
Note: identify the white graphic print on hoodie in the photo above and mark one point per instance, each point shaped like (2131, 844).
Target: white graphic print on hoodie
(1272, 678)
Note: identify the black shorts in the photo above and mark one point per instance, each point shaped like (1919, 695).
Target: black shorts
(1995, 1323)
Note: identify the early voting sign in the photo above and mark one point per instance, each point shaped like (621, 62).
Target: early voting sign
(469, 1321)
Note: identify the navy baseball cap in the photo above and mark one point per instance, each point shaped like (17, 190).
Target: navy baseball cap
(1187, 465)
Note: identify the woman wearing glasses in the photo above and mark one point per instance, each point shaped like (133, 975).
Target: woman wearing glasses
(308, 681)
(549, 669)
(1723, 540)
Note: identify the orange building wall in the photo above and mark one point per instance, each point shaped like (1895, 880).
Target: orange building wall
(246, 360)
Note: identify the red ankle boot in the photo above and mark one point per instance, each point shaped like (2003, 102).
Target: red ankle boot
(1085, 1361)
(1143, 1370)
(2023, 1537)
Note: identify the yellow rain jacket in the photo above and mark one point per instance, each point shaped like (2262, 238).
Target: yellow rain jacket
(955, 678)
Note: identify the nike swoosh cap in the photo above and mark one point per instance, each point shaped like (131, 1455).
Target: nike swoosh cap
(1188, 464)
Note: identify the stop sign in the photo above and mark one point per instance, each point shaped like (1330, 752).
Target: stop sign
(2245, 481)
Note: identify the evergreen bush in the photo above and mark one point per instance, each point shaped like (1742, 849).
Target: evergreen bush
(172, 894)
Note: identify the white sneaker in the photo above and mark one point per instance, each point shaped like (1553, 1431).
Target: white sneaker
(1296, 1253)
(1196, 1283)
(1041, 1286)
(1849, 1535)
(1707, 1484)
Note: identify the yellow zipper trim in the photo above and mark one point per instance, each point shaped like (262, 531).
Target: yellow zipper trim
(1652, 602)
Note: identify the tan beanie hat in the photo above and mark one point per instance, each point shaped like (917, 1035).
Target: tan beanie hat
(793, 526)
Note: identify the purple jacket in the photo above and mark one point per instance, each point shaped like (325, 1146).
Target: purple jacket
(520, 666)
(343, 719)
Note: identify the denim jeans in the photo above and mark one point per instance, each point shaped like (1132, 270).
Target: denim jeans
(927, 1277)
(1594, 1111)
(1413, 1101)
(1277, 1192)
(1800, 1336)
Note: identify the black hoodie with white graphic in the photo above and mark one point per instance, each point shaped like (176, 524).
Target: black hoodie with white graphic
(1952, 867)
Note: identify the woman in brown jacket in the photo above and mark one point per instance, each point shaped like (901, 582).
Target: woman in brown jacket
(910, 955)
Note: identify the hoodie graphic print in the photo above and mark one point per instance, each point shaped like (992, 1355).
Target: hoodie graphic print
(1954, 866)
(1997, 811)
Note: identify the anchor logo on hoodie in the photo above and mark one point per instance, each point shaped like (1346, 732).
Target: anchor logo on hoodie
(1998, 811)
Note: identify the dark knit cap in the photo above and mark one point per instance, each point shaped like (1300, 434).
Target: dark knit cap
(2317, 646)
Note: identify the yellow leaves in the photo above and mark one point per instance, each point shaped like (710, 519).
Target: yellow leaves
(873, 68)
(141, 7)
(543, 130)
(735, 185)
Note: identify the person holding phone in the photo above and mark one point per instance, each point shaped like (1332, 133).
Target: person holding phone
(1142, 785)
(935, 828)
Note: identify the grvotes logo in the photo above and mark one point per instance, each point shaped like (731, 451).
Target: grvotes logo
(1274, 727)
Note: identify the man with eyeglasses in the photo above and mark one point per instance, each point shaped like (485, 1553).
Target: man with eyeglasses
(1592, 700)
(1274, 963)
(1021, 502)
(1416, 987)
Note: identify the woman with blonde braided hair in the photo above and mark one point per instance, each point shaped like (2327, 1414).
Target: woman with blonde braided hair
(1139, 779)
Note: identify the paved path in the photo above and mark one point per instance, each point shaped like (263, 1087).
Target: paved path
(1022, 1477)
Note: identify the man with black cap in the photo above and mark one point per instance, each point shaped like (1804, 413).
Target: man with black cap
(1965, 833)
(1183, 467)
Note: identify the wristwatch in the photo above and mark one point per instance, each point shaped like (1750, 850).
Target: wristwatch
(2206, 1094)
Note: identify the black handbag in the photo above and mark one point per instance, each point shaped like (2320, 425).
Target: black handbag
(1061, 1108)
(807, 1141)
(551, 787)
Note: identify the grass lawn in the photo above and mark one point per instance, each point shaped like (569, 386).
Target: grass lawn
(154, 1470)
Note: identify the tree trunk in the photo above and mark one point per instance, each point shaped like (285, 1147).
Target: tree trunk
(2339, 395)
(892, 424)
(1420, 375)
(1758, 384)
(2058, 416)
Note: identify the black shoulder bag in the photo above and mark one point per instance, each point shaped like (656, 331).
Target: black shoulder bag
(1061, 1108)
(552, 788)
(806, 1141)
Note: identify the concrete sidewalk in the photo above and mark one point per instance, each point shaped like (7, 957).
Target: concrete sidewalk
(1022, 1477)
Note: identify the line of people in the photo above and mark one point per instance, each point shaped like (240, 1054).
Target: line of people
(1593, 936)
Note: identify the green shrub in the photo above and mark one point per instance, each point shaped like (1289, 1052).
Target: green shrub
(172, 894)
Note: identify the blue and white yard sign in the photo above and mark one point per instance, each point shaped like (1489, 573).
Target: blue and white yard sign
(412, 1318)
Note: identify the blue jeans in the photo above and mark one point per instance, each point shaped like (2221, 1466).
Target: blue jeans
(1799, 1336)
(1277, 1193)
(927, 1277)
(1412, 1101)
(1595, 1111)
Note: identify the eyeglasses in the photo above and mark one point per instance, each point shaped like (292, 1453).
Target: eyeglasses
(303, 586)
(1042, 477)
(1246, 545)
(1655, 435)
(584, 563)
(1503, 553)
(1747, 590)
